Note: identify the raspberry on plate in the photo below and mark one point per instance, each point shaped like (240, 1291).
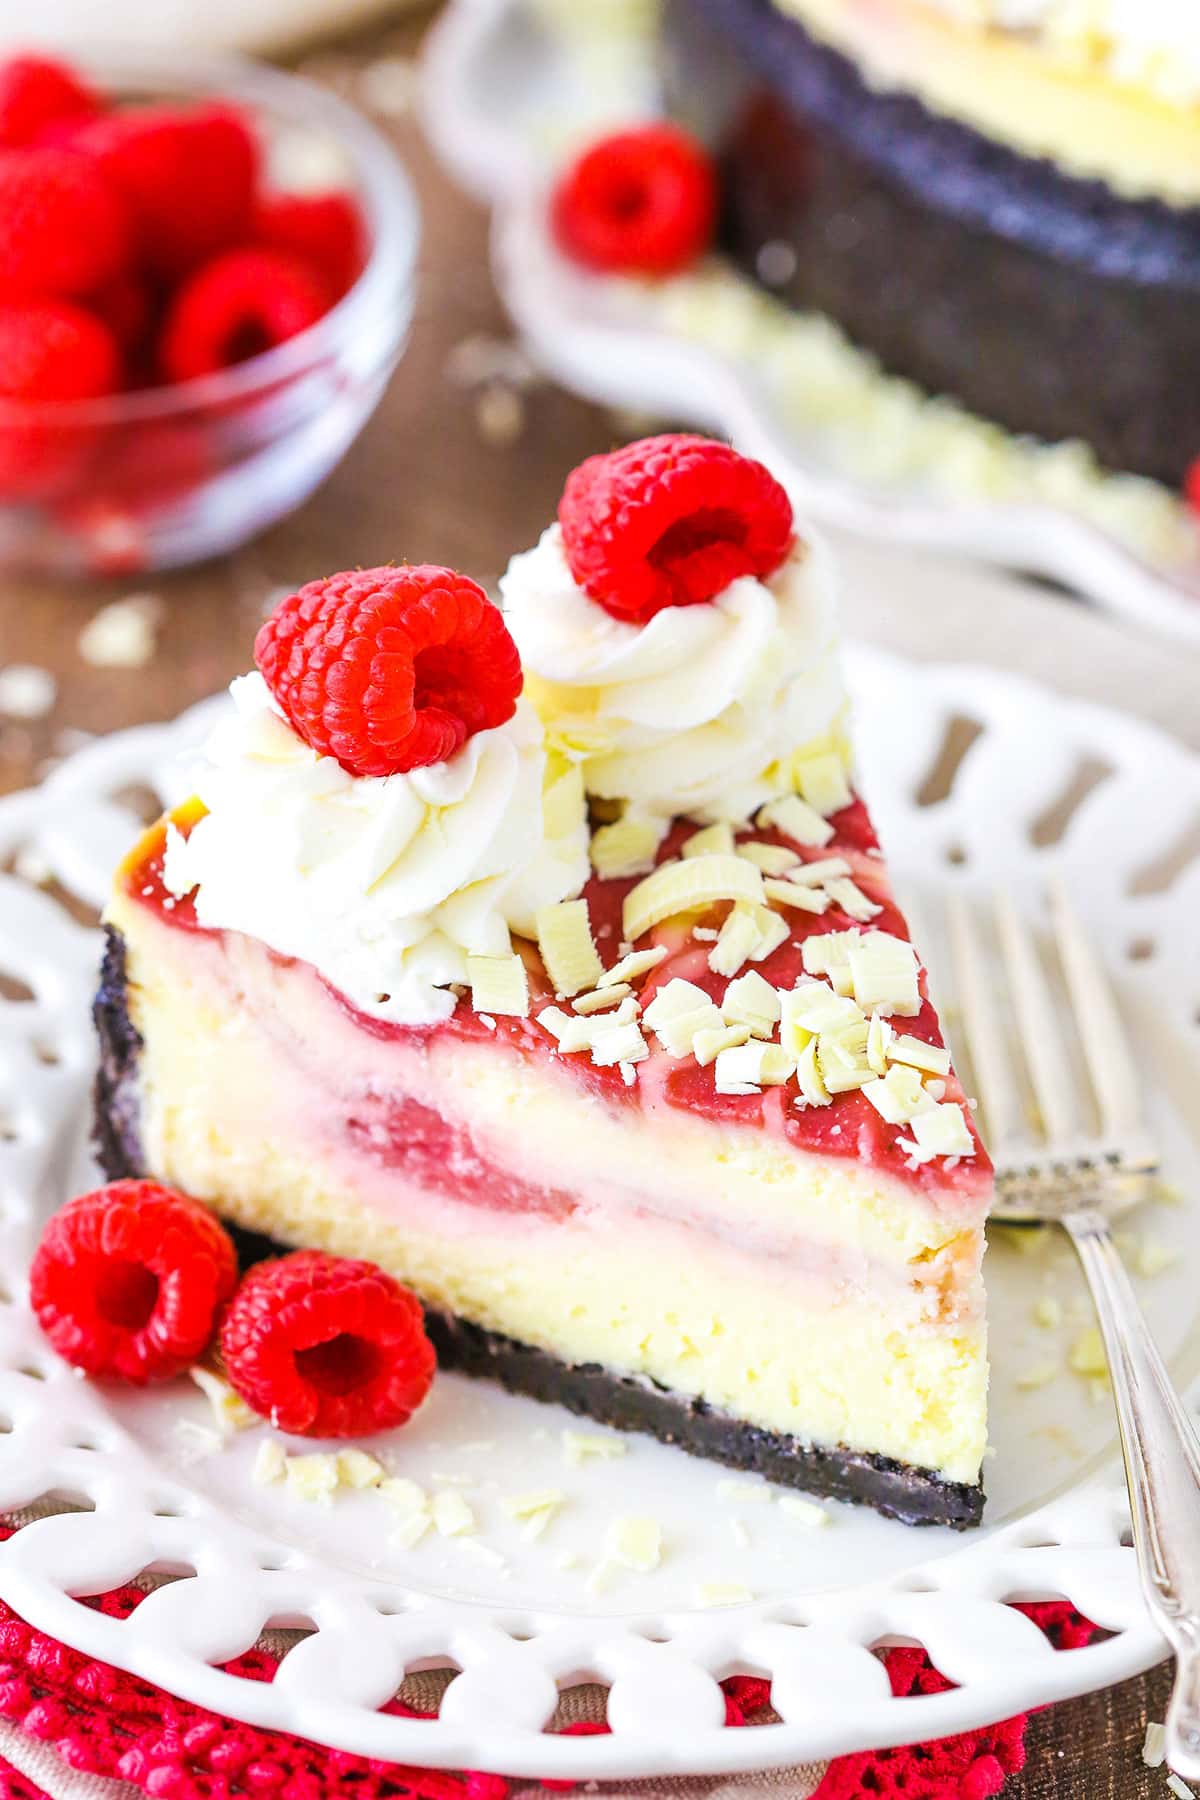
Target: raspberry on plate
(238, 306)
(35, 93)
(390, 669)
(129, 1280)
(326, 1347)
(671, 521)
(640, 202)
(66, 231)
(324, 230)
(187, 176)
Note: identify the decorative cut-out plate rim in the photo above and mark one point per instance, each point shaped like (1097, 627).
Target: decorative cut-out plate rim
(618, 358)
(664, 1705)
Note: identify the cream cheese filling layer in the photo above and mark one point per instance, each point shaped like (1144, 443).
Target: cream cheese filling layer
(224, 1118)
(1011, 88)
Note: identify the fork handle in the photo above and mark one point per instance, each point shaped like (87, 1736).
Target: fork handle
(1162, 1466)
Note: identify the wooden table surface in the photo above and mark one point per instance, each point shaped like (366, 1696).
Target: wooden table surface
(431, 479)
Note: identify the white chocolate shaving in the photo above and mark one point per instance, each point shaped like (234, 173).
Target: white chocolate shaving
(850, 897)
(820, 870)
(796, 819)
(452, 1517)
(813, 1090)
(792, 893)
(588, 1446)
(230, 1412)
(804, 1512)
(270, 1463)
(754, 1002)
(632, 967)
(714, 840)
(824, 950)
(678, 887)
(932, 1058)
(626, 847)
(899, 1096)
(635, 1542)
(358, 1469)
(772, 859)
(883, 971)
(722, 1593)
(709, 1042)
(498, 984)
(943, 1131)
(564, 936)
(822, 783)
(601, 998)
(615, 1043)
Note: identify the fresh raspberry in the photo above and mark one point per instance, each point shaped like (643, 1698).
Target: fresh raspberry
(327, 1347)
(35, 94)
(53, 350)
(129, 1280)
(671, 521)
(50, 351)
(65, 227)
(188, 178)
(1191, 485)
(639, 202)
(323, 230)
(390, 669)
(238, 306)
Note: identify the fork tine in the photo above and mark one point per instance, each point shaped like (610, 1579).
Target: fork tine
(998, 1092)
(1045, 1056)
(1105, 1044)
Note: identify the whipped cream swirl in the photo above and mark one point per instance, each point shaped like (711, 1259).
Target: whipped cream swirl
(384, 884)
(696, 712)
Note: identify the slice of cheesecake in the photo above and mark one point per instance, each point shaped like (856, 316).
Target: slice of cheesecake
(674, 1142)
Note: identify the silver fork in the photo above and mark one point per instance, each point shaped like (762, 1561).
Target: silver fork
(1056, 1168)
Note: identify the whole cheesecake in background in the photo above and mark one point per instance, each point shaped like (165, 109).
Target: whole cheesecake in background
(1000, 199)
(589, 1014)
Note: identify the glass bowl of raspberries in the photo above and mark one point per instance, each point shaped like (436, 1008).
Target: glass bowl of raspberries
(206, 280)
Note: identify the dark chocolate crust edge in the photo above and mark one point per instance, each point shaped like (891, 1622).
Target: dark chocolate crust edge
(115, 1119)
(897, 1490)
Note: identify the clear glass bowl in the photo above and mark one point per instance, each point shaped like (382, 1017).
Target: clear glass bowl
(158, 477)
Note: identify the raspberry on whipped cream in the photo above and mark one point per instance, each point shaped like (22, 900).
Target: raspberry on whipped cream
(678, 637)
(687, 713)
(385, 883)
(380, 804)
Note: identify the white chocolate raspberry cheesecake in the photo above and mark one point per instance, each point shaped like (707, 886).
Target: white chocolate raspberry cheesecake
(603, 1031)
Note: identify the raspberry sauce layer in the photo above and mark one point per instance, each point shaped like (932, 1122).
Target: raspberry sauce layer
(849, 1128)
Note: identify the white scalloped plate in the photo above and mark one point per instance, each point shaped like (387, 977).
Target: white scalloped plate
(501, 96)
(524, 1625)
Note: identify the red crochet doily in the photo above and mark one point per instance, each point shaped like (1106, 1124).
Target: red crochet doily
(104, 1722)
